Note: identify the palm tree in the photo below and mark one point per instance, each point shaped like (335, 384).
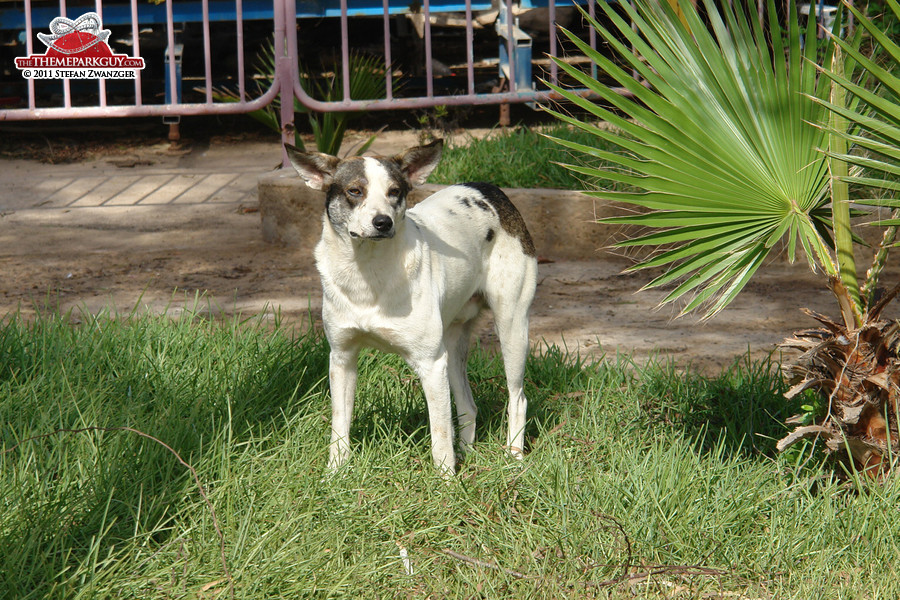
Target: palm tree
(732, 145)
(855, 364)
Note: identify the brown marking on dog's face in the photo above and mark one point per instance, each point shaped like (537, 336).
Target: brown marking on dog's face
(397, 184)
(367, 197)
(349, 182)
(360, 189)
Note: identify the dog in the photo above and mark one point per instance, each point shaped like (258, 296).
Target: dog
(413, 282)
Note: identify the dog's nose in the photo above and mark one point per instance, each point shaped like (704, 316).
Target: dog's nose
(382, 223)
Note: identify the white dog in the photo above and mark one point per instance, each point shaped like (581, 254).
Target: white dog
(414, 282)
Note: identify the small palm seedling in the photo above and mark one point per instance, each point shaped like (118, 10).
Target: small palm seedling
(328, 128)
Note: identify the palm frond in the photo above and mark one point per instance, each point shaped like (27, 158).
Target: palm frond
(719, 142)
(876, 114)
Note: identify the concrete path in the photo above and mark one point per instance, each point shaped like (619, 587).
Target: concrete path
(218, 172)
(146, 177)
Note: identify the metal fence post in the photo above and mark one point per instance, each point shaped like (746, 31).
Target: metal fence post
(173, 91)
(286, 69)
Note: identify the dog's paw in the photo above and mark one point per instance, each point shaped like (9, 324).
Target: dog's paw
(515, 452)
(336, 470)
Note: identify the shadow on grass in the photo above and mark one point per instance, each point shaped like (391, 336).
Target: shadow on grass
(742, 407)
(74, 499)
(390, 400)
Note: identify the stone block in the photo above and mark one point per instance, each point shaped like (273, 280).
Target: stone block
(562, 223)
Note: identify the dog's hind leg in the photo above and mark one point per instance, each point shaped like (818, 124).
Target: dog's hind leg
(513, 334)
(457, 340)
(510, 300)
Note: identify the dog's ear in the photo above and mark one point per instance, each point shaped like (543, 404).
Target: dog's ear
(314, 167)
(418, 162)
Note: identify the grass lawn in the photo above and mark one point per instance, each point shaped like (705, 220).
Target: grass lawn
(639, 483)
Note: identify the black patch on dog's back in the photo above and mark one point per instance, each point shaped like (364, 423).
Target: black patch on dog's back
(510, 218)
(477, 202)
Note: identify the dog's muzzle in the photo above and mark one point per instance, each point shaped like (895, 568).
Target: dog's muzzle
(383, 224)
(382, 228)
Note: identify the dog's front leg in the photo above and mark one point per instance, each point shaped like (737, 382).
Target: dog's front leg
(342, 381)
(435, 383)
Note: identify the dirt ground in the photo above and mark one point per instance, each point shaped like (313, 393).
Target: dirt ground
(161, 257)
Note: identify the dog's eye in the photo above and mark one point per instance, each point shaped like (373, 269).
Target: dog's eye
(394, 192)
(354, 192)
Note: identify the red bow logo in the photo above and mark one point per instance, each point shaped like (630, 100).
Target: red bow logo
(73, 37)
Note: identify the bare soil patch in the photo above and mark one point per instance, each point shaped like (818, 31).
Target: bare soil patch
(163, 257)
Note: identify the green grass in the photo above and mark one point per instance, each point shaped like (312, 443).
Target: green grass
(631, 470)
(518, 158)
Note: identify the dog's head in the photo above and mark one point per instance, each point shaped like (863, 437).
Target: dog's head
(365, 197)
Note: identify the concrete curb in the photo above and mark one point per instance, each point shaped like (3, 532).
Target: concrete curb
(562, 222)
